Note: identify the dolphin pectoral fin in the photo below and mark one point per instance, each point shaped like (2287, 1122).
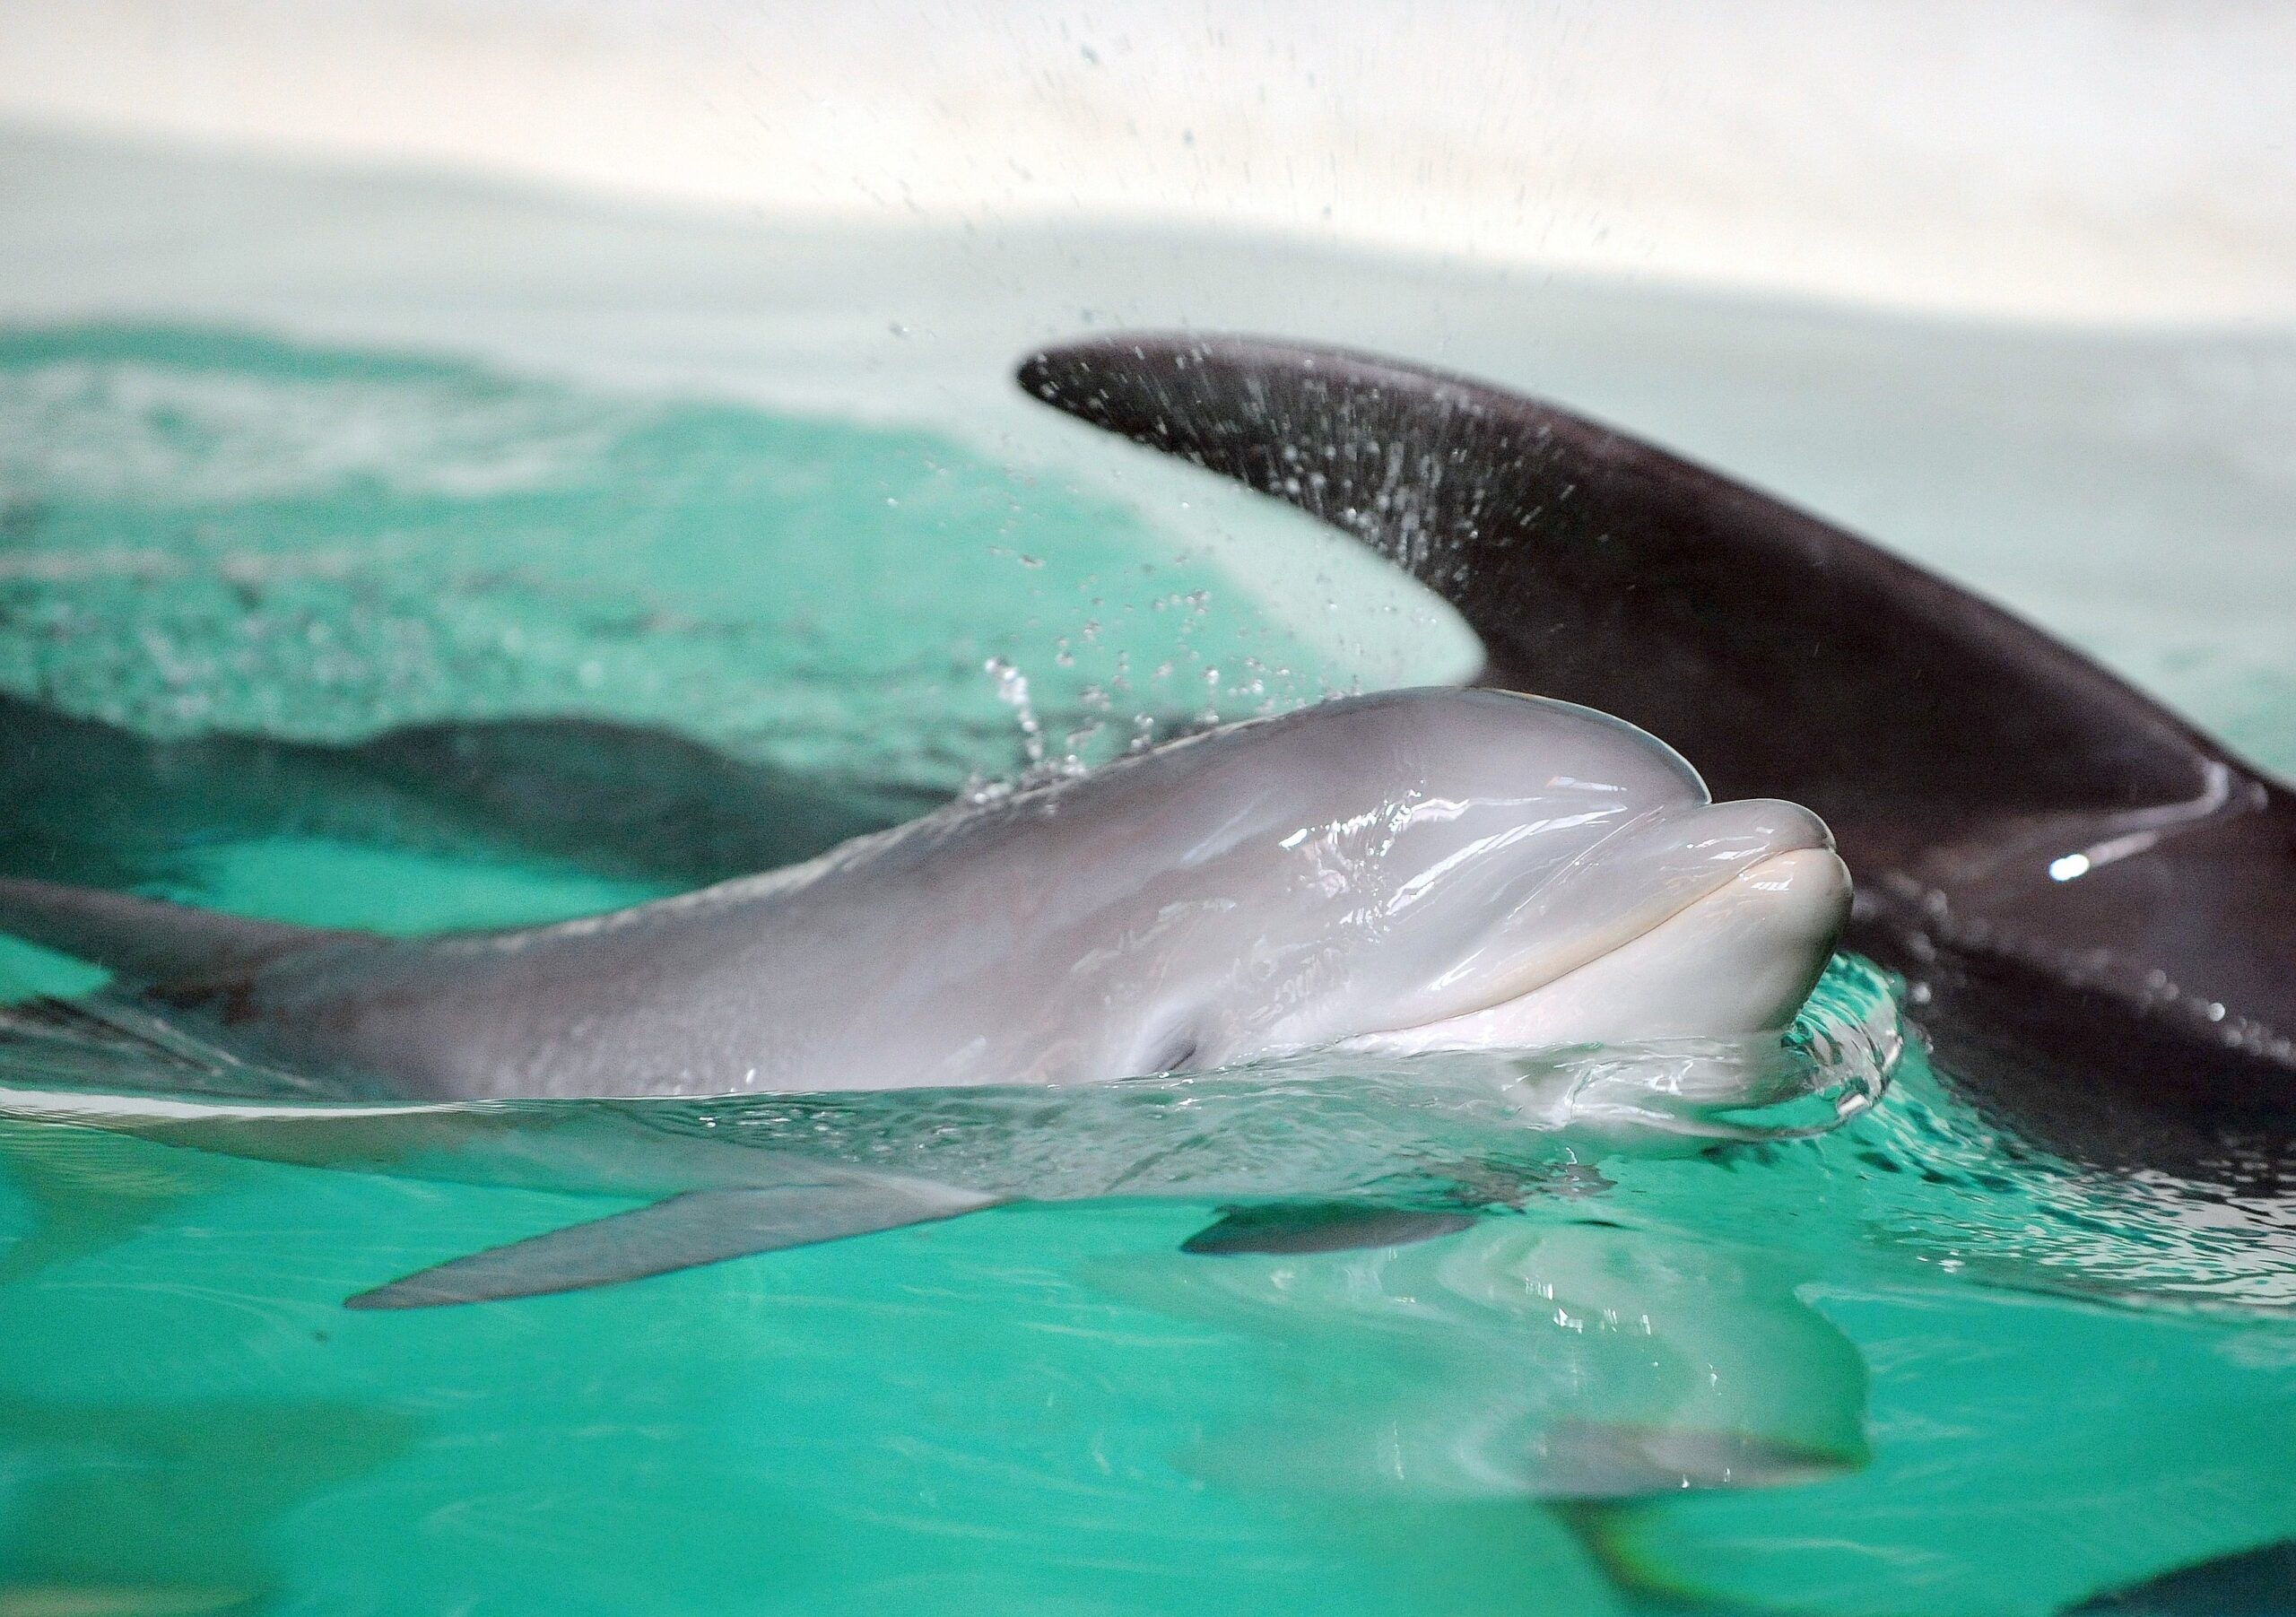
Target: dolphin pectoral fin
(681, 1232)
(1320, 1227)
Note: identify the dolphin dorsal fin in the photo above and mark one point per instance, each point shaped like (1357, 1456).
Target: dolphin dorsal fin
(150, 941)
(1782, 656)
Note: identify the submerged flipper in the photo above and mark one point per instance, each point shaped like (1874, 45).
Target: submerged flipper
(2083, 888)
(681, 1232)
(1320, 1226)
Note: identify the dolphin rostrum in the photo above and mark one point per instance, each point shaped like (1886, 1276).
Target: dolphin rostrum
(2091, 901)
(1408, 871)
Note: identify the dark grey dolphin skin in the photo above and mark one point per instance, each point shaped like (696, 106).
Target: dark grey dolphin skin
(2253, 1582)
(2094, 904)
(85, 801)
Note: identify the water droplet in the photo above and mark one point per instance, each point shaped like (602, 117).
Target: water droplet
(1013, 690)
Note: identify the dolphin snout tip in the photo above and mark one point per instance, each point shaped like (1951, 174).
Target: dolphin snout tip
(1776, 923)
(1786, 827)
(1816, 873)
(1803, 894)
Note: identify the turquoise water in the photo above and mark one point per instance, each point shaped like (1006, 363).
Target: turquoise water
(1943, 1372)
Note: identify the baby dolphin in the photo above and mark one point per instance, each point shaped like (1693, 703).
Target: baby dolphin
(1414, 870)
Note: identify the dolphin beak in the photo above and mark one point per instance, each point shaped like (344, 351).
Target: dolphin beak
(1643, 874)
(1738, 957)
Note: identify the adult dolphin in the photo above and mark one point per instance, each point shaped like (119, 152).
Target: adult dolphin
(1407, 871)
(2091, 901)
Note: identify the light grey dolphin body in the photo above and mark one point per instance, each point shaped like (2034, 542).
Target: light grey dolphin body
(1415, 870)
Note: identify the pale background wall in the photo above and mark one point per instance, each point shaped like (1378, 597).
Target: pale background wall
(2111, 160)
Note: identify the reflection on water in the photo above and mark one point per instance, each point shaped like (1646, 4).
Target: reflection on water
(1543, 1354)
(1553, 1356)
(1658, 1366)
(1657, 1353)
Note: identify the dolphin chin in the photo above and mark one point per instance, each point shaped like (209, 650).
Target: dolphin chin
(1739, 959)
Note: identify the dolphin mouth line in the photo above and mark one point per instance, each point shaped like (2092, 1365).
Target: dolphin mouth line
(1786, 848)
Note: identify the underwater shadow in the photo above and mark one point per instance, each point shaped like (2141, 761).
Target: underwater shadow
(89, 803)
